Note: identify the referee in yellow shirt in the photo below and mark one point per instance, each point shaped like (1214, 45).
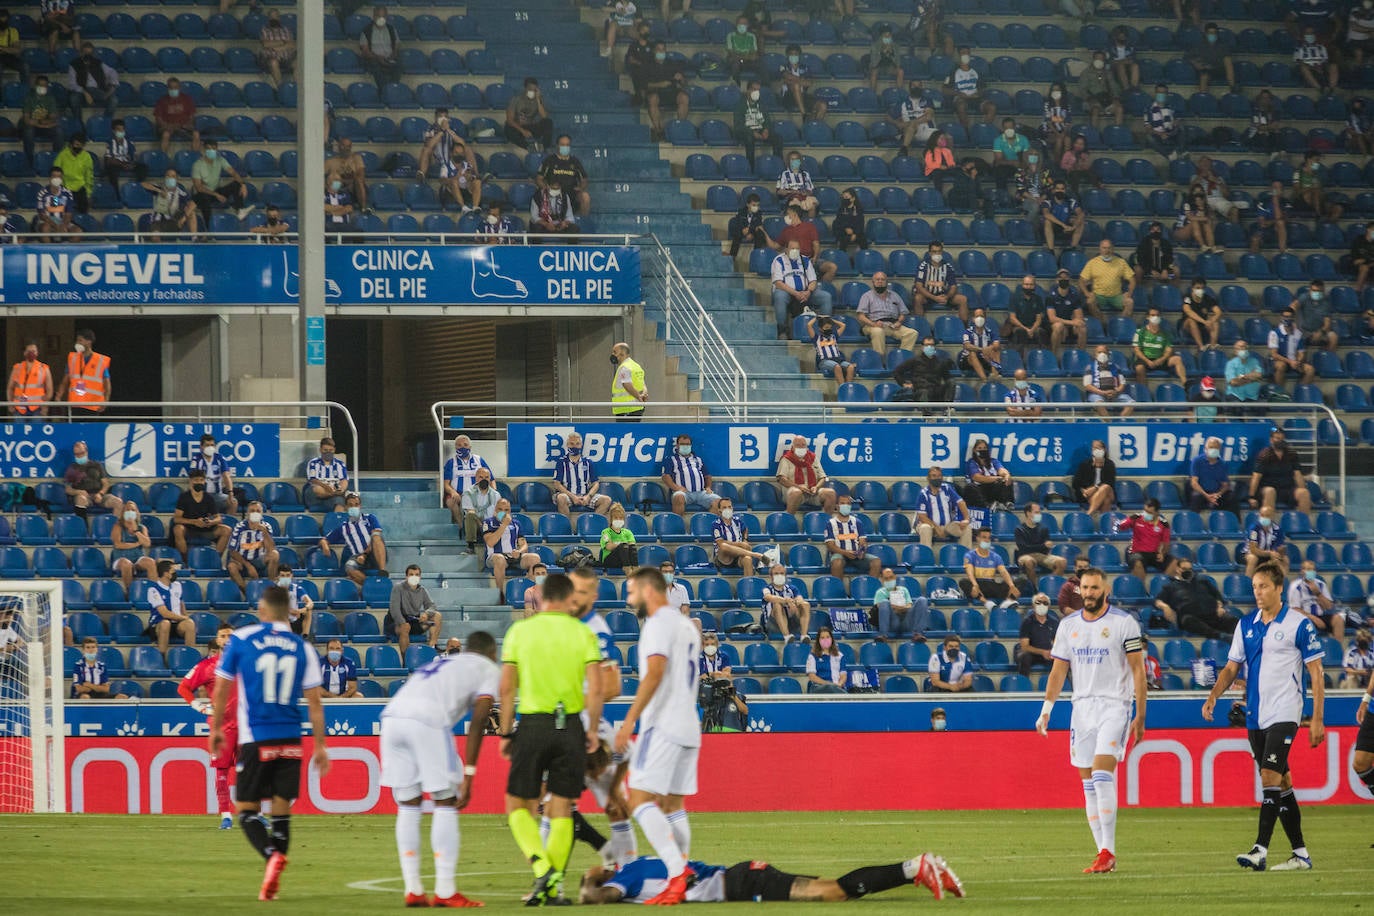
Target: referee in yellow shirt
(1107, 282)
(552, 661)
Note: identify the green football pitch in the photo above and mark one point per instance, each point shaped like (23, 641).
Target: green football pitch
(1171, 862)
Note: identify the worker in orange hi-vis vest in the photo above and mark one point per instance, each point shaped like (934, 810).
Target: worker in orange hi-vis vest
(30, 386)
(87, 381)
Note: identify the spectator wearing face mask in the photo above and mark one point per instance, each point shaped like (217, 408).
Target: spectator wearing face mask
(562, 169)
(882, 314)
(826, 331)
(940, 510)
(899, 614)
(1153, 348)
(677, 594)
(801, 479)
(795, 188)
(1310, 594)
(784, 605)
(1062, 219)
(796, 228)
(575, 483)
(130, 543)
(848, 224)
(1202, 317)
(1094, 481)
(846, 545)
(1313, 309)
(986, 578)
(86, 483)
(551, 211)
(752, 120)
(989, 482)
(1209, 480)
(534, 595)
(1106, 384)
(914, 118)
(982, 348)
(665, 86)
(1034, 184)
(1007, 151)
(217, 183)
(337, 671)
(1023, 402)
(1056, 126)
(1064, 312)
(731, 538)
(412, 612)
(1107, 283)
(39, 118)
(688, 482)
(1034, 547)
(1026, 326)
(1362, 257)
(1206, 398)
(926, 376)
(1164, 131)
(1193, 604)
(1244, 375)
(1358, 663)
(741, 49)
(90, 679)
(1070, 598)
(361, 538)
(506, 545)
(326, 479)
(825, 671)
(497, 228)
(380, 48)
(964, 88)
(746, 226)
(219, 477)
(252, 550)
(91, 81)
(1036, 637)
(1150, 537)
(197, 520)
(1288, 351)
(475, 507)
(302, 606)
(1264, 543)
(951, 669)
(715, 668)
(55, 210)
(618, 542)
(936, 284)
(796, 289)
(174, 117)
(78, 171)
(1154, 257)
(1313, 63)
(167, 613)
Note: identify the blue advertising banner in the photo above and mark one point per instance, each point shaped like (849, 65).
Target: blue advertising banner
(355, 275)
(137, 449)
(1041, 449)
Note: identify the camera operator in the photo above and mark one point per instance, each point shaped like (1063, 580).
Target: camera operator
(717, 690)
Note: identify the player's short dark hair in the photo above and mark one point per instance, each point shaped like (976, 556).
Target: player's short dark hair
(556, 588)
(414, 566)
(207, 437)
(194, 473)
(327, 440)
(982, 531)
(1273, 571)
(277, 600)
(650, 576)
(284, 568)
(482, 642)
(1092, 571)
(164, 567)
(86, 334)
(582, 572)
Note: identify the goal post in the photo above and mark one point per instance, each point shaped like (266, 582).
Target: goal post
(32, 687)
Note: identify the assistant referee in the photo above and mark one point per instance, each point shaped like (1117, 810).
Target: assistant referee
(553, 662)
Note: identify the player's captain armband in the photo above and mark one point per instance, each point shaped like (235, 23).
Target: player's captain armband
(280, 752)
(1134, 644)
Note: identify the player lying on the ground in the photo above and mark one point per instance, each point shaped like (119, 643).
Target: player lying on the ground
(758, 882)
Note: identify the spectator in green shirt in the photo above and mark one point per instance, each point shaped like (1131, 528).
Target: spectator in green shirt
(1154, 349)
(39, 118)
(618, 541)
(78, 171)
(215, 182)
(1006, 153)
(741, 49)
(884, 59)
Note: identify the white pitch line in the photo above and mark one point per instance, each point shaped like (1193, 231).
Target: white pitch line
(372, 884)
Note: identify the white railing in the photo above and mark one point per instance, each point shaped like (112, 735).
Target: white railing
(722, 379)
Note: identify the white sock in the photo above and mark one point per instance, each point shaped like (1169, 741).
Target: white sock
(910, 867)
(1302, 851)
(682, 831)
(623, 843)
(659, 833)
(544, 831)
(408, 846)
(1094, 818)
(443, 842)
(1105, 784)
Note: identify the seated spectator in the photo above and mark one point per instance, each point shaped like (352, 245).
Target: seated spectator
(475, 507)
(338, 207)
(55, 212)
(12, 49)
(989, 482)
(964, 88)
(219, 477)
(883, 59)
(506, 546)
(460, 473)
(618, 549)
(497, 228)
(565, 171)
(803, 231)
(1056, 124)
(1313, 63)
(39, 118)
(197, 519)
(914, 118)
(677, 592)
(665, 86)
(926, 376)
(216, 183)
(1205, 397)
(78, 171)
(551, 211)
(849, 222)
(1094, 481)
(982, 349)
(746, 226)
(1023, 402)
(326, 479)
(1150, 537)
(1313, 311)
(456, 164)
(130, 544)
(898, 613)
(1362, 258)
(882, 314)
(1202, 316)
(1164, 132)
(715, 669)
(1310, 594)
(1359, 126)
(1212, 58)
(1153, 347)
(1279, 479)
(1154, 257)
(1195, 224)
(252, 550)
(58, 21)
(1026, 326)
(795, 189)
(121, 157)
(802, 481)
(534, 595)
(686, 479)
(412, 612)
(825, 672)
(1034, 547)
(1209, 481)
(174, 117)
(742, 50)
(1263, 134)
(846, 546)
(951, 669)
(796, 289)
(986, 578)
(1288, 351)
(731, 537)
(1070, 597)
(528, 124)
(1077, 166)
(826, 331)
(350, 169)
(940, 510)
(574, 483)
(167, 614)
(639, 61)
(1358, 663)
(621, 16)
(1064, 312)
(337, 671)
(87, 485)
(966, 191)
(90, 680)
(1244, 374)
(1264, 542)
(302, 606)
(1105, 385)
(91, 81)
(361, 537)
(936, 284)
(1193, 604)
(276, 49)
(1107, 282)
(938, 162)
(1007, 152)
(1214, 188)
(1125, 65)
(174, 211)
(380, 47)
(1034, 183)
(1036, 637)
(794, 87)
(1310, 194)
(785, 606)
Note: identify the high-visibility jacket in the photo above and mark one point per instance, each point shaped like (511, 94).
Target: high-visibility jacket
(31, 380)
(87, 374)
(621, 400)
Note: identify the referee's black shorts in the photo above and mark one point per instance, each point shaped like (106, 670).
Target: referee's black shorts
(758, 882)
(539, 748)
(1270, 746)
(269, 769)
(1364, 739)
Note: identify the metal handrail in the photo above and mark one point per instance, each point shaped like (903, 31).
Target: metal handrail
(687, 320)
(526, 237)
(114, 411)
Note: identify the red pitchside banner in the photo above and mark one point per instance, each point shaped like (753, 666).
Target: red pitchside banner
(750, 772)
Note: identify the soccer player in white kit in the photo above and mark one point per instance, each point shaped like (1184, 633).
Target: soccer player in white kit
(418, 757)
(1101, 648)
(663, 768)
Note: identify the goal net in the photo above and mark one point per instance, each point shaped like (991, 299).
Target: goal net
(32, 765)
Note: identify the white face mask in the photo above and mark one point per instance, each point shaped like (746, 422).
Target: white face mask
(55, 181)
(131, 516)
(710, 651)
(79, 348)
(890, 584)
(754, 95)
(794, 253)
(380, 22)
(1099, 453)
(413, 581)
(530, 94)
(979, 321)
(779, 581)
(727, 514)
(1042, 610)
(1103, 359)
(1056, 95)
(1099, 65)
(799, 452)
(617, 523)
(1009, 133)
(255, 517)
(965, 59)
(208, 451)
(936, 258)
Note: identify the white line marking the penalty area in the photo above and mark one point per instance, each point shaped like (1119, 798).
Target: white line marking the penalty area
(389, 884)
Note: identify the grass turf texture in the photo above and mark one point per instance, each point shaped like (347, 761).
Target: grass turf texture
(1178, 861)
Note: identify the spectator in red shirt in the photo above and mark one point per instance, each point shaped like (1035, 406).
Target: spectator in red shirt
(1070, 599)
(804, 231)
(1154, 674)
(1149, 541)
(175, 115)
